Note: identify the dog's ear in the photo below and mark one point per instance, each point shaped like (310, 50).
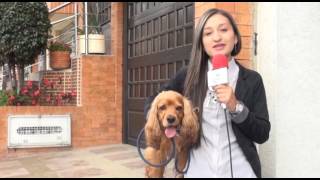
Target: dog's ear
(152, 127)
(190, 123)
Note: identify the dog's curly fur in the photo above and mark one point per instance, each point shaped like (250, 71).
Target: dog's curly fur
(169, 105)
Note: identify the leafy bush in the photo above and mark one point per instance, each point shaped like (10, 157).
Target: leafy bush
(3, 98)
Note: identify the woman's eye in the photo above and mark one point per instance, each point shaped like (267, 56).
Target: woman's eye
(207, 33)
(224, 30)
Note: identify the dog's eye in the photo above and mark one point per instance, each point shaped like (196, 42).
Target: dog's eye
(179, 108)
(163, 107)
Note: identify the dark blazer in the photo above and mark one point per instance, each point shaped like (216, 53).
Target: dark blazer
(250, 90)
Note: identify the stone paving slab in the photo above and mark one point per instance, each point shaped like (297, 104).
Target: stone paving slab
(13, 172)
(111, 161)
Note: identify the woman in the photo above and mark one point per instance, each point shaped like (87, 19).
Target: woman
(244, 97)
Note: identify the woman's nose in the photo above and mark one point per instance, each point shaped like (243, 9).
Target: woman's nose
(216, 37)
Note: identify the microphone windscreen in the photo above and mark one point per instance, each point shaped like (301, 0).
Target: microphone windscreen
(219, 61)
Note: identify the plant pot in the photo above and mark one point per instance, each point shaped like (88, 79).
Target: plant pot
(60, 60)
(96, 43)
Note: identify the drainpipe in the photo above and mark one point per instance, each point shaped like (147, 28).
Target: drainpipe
(86, 26)
(76, 27)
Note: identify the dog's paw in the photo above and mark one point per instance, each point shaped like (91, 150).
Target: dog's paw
(179, 175)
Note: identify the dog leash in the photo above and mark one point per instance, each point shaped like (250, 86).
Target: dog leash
(173, 155)
(186, 169)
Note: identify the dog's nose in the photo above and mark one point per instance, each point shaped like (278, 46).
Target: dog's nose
(171, 119)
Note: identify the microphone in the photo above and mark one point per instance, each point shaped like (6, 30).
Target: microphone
(219, 75)
(219, 72)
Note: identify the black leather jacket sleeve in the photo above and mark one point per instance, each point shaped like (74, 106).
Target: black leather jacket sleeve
(256, 126)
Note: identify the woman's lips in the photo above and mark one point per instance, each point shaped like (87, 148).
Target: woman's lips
(219, 46)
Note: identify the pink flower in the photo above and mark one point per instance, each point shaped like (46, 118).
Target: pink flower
(12, 98)
(46, 82)
(36, 93)
(24, 90)
(73, 93)
(48, 98)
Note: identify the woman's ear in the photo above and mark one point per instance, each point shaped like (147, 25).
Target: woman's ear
(152, 127)
(190, 123)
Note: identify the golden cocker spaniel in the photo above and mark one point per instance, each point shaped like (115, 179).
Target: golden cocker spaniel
(171, 116)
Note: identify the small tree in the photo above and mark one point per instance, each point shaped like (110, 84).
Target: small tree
(24, 31)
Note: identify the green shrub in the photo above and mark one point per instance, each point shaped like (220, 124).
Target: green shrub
(59, 46)
(3, 98)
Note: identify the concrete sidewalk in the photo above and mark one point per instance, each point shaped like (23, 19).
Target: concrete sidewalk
(111, 161)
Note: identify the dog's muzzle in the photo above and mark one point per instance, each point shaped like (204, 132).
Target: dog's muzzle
(171, 130)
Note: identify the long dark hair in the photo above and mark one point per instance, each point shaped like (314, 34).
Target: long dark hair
(195, 86)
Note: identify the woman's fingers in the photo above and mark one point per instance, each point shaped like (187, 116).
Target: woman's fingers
(223, 98)
(223, 93)
(220, 86)
(223, 89)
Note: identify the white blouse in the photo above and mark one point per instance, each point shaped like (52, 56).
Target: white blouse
(212, 158)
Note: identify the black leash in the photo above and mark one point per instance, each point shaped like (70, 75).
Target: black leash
(230, 155)
(173, 152)
(173, 155)
(186, 169)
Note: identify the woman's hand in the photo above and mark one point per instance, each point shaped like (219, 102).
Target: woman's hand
(225, 95)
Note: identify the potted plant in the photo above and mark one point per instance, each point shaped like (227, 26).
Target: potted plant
(96, 39)
(59, 56)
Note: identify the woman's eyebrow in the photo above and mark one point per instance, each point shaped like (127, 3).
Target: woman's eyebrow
(209, 27)
(222, 24)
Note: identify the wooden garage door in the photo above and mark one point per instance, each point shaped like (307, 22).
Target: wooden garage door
(159, 38)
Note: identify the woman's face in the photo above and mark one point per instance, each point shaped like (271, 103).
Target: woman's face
(218, 36)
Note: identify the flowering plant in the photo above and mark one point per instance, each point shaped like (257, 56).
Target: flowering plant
(30, 94)
(61, 98)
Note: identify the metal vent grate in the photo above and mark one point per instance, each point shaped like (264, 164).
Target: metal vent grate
(39, 131)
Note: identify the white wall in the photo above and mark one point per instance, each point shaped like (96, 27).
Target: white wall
(289, 61)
